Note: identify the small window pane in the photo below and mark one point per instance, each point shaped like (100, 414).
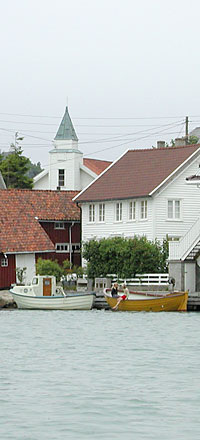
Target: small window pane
(61, 177)
(91, 213)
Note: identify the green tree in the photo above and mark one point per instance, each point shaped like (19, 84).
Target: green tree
(14, 168)
(35, 168)
(49, 267)
(124, 257)
(193, 140)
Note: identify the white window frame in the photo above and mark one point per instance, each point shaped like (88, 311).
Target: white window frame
(118, 212)
(77, 248)
(59, 247)
(61, 177)
(173, 209)
(91, 213)
(101, 212)
(59, 225)
(4, 262)
(131, 210)
(144, 210)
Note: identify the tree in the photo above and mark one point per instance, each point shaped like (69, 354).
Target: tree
(14, 167)
(35, 168)
(49, 267)
(193, 140)
(124, 257)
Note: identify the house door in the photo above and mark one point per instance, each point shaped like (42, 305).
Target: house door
(190, 276)
(46, 286)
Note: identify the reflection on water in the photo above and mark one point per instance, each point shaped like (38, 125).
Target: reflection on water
(99, 375)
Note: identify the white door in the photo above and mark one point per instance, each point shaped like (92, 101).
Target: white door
(190, 277)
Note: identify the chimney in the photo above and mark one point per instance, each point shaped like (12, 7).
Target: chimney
(160, 144)
(180, 142)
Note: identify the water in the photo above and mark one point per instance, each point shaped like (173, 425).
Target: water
(99, 375)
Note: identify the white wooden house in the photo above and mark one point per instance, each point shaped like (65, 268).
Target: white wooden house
(144, 193)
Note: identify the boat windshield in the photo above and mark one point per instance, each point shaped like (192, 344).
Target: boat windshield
(35, 281)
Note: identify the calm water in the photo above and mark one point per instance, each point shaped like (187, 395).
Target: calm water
(99, 375)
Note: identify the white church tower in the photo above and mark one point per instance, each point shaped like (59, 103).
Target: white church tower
(65, 158)
(67, 169)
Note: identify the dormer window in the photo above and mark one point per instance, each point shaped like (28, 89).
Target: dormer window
(61, 178)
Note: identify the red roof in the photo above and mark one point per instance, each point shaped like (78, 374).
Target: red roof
(20, 212)
(137, 173)
(95, 165)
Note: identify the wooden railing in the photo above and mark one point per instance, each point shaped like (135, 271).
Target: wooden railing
(178, 250)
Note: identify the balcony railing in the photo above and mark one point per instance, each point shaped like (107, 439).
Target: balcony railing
(178, 250)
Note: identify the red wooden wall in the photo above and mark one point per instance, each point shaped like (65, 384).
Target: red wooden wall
(7, 274)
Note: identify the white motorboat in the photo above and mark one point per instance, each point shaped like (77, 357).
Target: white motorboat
(43, 294)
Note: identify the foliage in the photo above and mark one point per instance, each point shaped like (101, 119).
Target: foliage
(14, 167)
(20, 273)
(49, 267)
(124, 257)
(74, 269)
(34, 169)
(193, 140)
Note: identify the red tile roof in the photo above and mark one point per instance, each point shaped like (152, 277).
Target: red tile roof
(20, 230)
(97, 166)
(137, 173)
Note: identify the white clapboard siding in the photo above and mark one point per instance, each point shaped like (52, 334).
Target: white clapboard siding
(110, 227)
(190, 205)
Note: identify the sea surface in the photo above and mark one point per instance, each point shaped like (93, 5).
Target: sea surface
(99, 375)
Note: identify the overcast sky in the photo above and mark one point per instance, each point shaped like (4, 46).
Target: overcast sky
(135, 64)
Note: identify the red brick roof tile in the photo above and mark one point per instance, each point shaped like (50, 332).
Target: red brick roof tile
(20, 212)
(137, 173)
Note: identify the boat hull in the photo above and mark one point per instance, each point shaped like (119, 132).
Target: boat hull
(169, 303)
(70, 302)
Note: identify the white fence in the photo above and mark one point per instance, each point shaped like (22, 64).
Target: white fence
(147, 279)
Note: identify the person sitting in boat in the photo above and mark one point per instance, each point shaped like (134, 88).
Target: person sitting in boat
(114, 291)
(122, 297)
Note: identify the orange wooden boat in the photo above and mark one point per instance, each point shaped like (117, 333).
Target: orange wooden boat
(149, 302)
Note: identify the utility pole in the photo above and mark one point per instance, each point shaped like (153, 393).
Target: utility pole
(186, 129)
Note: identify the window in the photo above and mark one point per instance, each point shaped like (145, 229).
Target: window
(174, 209)
(131, 210)
(4, 262)
(59, 225)
(62, 247)
(91, 213)
(173, 238)
(119, 212)
(76, 247)
(143, 209)
(61, 177)
(101, 212)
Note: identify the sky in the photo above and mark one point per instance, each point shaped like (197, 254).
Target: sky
(128, 70)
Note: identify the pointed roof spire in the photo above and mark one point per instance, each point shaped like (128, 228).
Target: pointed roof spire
(66, 130)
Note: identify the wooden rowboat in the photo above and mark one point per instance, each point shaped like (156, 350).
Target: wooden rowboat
(144, 302)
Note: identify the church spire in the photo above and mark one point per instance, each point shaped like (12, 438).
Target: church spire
(66, 130)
